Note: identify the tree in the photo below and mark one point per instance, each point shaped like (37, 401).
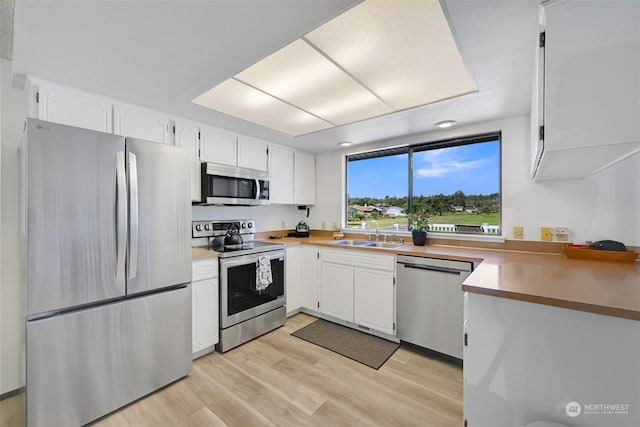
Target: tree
(459, 198)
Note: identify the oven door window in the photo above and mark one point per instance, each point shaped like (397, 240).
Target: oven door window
(241, 281)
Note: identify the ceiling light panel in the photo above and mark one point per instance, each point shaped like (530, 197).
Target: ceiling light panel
(237, 99)
(402, 50)
(303, 77)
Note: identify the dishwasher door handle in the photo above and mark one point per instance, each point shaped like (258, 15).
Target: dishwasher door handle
(431, 268)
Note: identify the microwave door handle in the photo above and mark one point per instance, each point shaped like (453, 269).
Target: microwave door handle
(121, 215)
(258, 189)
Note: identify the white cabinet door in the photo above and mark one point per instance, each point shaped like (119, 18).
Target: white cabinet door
(280, 175)
(252, 153)
(187, 135)
(336, 290)
(374, 300)
(590, 85)
(218, 146)
(294, 279)
(204, 305)
(140, 123)
(310, 277)
(304, 179)
(74, 108)
(204, 312)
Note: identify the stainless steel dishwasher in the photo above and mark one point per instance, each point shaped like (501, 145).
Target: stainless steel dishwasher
(429, 310)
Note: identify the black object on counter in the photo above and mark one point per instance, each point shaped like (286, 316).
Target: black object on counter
(609, 245)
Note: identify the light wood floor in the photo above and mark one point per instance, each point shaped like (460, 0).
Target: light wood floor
(280, 380)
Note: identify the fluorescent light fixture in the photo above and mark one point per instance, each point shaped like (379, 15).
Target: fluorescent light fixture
(446, 124)
(379, 57)
(345, 144)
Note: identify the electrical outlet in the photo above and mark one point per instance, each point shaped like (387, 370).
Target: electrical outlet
(518, 232)
(323, 226)
(284, 225)
(561, 234)
(545, 234)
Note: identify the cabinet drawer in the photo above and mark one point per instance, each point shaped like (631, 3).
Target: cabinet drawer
(359, 259)
(204, 269)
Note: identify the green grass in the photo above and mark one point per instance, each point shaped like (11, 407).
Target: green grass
(452, 218)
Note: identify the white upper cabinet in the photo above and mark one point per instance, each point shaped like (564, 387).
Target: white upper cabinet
(280, 175)
(228, 148)
(136, 122)
(187, 135)
(292, 177)
(304, 178)
(74, 108)
(588, 88)
(218, 146)
(252, 153)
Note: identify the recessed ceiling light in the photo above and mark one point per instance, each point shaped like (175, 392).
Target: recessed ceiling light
(345, 143)
(446, 124)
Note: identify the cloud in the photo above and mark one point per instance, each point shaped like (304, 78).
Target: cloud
(445, 162)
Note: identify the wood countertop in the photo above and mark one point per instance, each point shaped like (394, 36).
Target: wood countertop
(602, 287)
(202, 253)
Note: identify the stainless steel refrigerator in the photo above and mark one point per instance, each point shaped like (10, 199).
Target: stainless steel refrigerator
(108, 268)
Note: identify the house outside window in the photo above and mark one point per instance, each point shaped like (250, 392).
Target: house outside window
(455, 182)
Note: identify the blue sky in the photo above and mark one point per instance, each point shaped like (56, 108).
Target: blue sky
(473, 168)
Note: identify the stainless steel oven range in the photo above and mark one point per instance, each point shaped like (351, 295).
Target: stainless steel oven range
(252, 280)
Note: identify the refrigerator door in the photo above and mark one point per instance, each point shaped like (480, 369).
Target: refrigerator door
(73, 249)
(159, 215)
(85, 364)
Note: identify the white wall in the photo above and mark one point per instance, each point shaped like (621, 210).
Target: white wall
(13, 112)
(603, 206)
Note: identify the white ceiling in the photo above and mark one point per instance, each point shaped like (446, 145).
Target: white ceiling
(163, 54)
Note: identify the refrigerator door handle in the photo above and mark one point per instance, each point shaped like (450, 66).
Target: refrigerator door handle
(133, 216)
(121, 215)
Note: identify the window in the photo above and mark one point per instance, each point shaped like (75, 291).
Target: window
(456, 182)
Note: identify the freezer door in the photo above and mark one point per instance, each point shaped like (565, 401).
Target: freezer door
(85, 364)
(159, 215)
(72, 216)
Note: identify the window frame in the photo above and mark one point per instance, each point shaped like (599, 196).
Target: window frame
(410, 150)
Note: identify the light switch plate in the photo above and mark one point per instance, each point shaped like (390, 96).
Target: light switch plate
(545, 234)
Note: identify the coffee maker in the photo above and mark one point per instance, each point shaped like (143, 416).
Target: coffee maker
(302, 229)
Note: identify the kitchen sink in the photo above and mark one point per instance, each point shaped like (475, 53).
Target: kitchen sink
(386, 244)
(368, 243)
(354, 242)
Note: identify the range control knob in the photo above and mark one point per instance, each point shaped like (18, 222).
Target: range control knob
(207, 227)
(198, 227)
(250, 225)
(244, 225)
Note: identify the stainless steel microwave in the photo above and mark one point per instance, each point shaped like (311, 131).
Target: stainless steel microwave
(229, 185)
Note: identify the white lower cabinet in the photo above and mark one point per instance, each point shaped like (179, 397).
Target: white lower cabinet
(310, 277)
(293, 281)
(374, 299)
(336, 291)
(359, 287)
(204, 306)
(526, 362)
